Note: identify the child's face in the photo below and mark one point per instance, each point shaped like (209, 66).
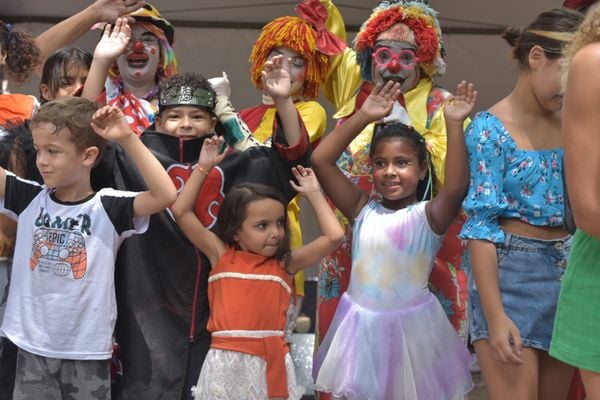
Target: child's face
(186, 122)
(69, 85)
(297, 67)
(396, 172)
(62, 166)
(263, 229)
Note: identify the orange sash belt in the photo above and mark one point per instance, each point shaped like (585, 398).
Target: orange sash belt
(272, 349)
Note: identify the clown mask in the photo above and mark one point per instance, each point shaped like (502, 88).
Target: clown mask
(139, 63)
(394, 58)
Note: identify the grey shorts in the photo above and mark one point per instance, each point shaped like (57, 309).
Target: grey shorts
(52, 378)
(529, 274)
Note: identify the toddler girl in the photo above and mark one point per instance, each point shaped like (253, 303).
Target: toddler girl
(250, 284)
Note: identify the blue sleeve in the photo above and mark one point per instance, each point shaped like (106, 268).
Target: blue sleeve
(485, 201)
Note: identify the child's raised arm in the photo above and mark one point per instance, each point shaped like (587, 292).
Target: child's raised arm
(442, 210)
(109, 48)
(331, 231)
(72, 28)
(346, 196)
(110, 123)
(183, 209)
(237, 134)
(276, 82)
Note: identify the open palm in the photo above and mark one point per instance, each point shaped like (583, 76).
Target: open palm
(276, 78)
(113, 41)
(458, 107)
(110, 123)
(380, 101)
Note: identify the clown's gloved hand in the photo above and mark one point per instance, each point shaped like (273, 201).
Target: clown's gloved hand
(398, 115)
(237, 134)
(221, 85)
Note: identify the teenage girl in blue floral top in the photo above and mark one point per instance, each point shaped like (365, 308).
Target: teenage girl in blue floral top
(515, 209)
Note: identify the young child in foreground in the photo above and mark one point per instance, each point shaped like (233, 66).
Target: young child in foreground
(250, 284)
(390, 338)
(61, 308)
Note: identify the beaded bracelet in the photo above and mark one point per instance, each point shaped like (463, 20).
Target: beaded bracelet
(202, 171)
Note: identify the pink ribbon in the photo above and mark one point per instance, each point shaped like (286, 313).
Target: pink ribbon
(315, 13)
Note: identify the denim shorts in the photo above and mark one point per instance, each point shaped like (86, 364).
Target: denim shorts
(529, 273)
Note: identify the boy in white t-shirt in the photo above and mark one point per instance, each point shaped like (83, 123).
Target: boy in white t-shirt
(61, 308)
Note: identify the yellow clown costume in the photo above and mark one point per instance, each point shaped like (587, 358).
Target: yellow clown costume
(347, 86)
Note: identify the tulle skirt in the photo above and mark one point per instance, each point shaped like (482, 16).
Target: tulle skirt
(231, 375)
(407, 354)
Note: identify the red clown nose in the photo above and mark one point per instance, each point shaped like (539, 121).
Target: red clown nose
(394, 66)
(138, 46)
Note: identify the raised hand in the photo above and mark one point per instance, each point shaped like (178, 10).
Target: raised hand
(211, 155)
(221, 85)
(275, 77)
(110, 123)
(459, 106)
(110, 10)
(114, 41)
(307, 180)
(380, 101)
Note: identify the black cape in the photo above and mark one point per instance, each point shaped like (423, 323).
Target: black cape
(161, 278)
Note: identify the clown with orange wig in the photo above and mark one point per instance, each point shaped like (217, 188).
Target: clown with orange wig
(306, 46)
(400, 42)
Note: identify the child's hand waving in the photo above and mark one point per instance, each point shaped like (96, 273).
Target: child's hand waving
(110, 123)
(380, 101)
(459, 106)
(211, 155)
(113, 41)
(276, 78)
(307, 180)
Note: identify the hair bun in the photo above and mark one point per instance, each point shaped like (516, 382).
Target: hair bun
(513, 35)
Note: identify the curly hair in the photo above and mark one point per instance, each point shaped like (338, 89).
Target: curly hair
(551, 30)
(589, 32)
(22, 54)
(172, 86)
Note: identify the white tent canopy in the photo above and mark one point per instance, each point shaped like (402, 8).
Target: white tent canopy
(217, 35)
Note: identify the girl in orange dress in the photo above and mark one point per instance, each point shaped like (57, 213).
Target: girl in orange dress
(250, 285)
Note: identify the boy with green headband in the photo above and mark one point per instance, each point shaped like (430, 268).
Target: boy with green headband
(170, 275)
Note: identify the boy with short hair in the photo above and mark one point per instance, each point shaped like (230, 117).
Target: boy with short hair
(61, 308)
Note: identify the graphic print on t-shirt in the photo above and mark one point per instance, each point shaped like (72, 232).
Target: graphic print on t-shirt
(59, 246)
(59, 252)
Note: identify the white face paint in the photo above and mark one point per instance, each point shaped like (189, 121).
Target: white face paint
(139, 63)
(297, 67)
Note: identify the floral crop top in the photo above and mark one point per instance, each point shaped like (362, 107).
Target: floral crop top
(509, 182)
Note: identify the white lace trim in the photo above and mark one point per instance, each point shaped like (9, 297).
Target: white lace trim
(244, 333)
(257, 277)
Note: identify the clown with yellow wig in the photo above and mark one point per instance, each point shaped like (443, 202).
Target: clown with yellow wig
(399, 42)
(306, 46)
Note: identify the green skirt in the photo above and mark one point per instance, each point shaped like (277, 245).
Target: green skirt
(575, 339)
